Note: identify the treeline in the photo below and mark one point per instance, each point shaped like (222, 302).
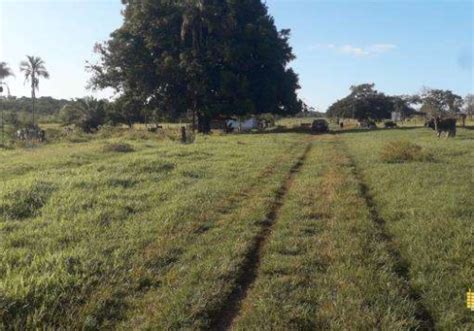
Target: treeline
(207, 57)
(365, 102)
(89, 114)
(19, 110)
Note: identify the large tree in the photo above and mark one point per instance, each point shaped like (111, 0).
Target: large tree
(33, 69)
(365, 102)
(469, 105)
(440, 102)
(213, 57)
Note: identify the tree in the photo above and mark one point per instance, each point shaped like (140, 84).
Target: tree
(212, 57)
(87, 113)
(469, 105)
(127, 109)
(403, 104)
(440, 102)
(5, 71)
(364, 102)
(34, 69)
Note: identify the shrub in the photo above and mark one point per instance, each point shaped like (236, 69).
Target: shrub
(24, 202)
(400, 151)
(118, 148)
(88, 114)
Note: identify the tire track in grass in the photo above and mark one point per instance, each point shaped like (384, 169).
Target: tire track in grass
(231, 307)
(401, 265)
(227, 206)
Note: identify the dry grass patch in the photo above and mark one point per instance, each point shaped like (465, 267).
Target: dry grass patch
(399, 151)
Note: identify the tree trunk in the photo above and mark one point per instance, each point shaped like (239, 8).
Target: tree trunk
(194, 115)
(33, 97)
(204, 123)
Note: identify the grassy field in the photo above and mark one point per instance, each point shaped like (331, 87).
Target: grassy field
(257, 231)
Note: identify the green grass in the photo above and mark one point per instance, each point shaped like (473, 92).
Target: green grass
(325, 266)
(116, 222)
(159, 237)
(429, 209)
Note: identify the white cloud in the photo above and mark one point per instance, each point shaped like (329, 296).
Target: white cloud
(374, 49)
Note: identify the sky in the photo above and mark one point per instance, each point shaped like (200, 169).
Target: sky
(401, 46)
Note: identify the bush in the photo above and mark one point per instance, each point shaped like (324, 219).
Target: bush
(118, 148)
(404, 151)
(88, 114)
(390, 124)
(27, 201)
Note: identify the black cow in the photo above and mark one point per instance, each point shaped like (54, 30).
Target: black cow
(447, 125)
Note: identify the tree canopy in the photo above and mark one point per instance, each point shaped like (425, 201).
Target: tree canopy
(469, 104)
(33, 69)
(365, 102)
(5, 71)
(87, 113)
(212, 57)
(438, 102)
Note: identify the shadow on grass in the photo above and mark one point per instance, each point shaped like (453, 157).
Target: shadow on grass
(357, 130)
(303, 130)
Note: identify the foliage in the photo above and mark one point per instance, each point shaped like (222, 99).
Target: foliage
(364, 102)
(399, 151)
(88, 113)
(5, 71)
(469, 104)
(33, 69)
(126, 109)
(44, 106)
(212, 57)
(436, 102)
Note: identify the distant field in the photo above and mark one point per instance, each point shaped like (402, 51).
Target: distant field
(251, 231)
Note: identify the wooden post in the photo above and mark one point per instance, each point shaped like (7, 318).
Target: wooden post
(183, 134)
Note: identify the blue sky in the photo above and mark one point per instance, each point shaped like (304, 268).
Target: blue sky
(401, 46)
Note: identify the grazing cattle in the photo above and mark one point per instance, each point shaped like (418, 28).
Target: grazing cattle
(447, 125)
(31, 133)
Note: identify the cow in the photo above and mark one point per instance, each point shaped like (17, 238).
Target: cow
(31, 133)
(447, 125)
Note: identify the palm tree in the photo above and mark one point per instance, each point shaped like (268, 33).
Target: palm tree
(5, 71)
(33, 69)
